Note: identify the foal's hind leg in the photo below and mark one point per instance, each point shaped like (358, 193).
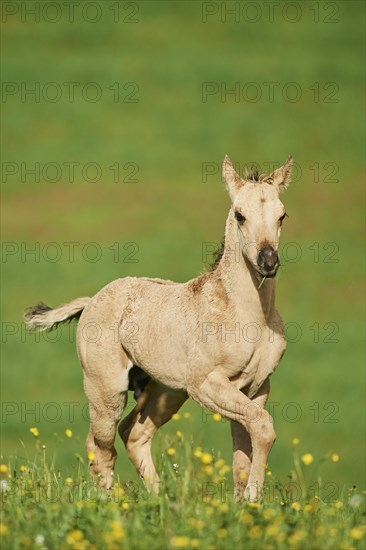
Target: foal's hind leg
(155, 407)
(106, 408)
(105, 383)
(106, 367)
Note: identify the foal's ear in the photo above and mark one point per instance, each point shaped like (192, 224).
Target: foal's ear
(233, 181)
(281, 177)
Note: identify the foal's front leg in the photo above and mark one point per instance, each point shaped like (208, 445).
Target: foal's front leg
(242, 447)
(218, 394)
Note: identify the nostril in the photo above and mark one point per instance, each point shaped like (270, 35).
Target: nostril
(267, 258)
(261, 259)
(272, 258)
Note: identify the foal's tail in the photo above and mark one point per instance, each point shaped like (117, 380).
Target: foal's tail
(43, 317)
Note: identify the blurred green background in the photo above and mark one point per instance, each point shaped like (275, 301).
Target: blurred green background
(162, 55)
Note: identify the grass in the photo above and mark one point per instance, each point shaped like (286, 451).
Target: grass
(46, 507)
(170, 214)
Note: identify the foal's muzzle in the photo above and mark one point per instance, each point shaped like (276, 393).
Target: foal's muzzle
(268, 261)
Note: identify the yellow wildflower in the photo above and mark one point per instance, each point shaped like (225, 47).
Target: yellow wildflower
(208, 470)
(3, 468)
(197, 452)
(334, 457)
(217, 417)
(170, 451)
(307, 459)
(176, 416)
(296, 537)
(125, 505)
(243, 475)
(268, 513)
(296, 506)
(22, 468)
(34, 431)
(296, 441)
(245, 517)
(179, 542)
(206, 458)
(356, 533)
(224, 470)
(224, 508)
(338, 504)
(117, 531)
(91, 455)
(219, 463)
(269, 473)
(68, 480)
(68, 432)
(74, 536)
(3, 530)
(255, 505)
(272, 530)
(196, 523)
(179, 434)
(186, 415)
(254, 532)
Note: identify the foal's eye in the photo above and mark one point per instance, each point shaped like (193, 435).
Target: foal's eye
(282, 218)
(239, 217)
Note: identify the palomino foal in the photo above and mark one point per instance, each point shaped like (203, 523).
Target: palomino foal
(216, 338)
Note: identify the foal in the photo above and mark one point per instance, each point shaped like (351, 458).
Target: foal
(216, 338)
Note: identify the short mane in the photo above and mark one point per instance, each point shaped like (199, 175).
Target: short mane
(252, 175)
(217, 256)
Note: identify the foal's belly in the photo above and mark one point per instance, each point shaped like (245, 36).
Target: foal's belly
(158, 344)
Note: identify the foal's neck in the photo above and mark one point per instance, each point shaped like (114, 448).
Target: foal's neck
(239, 277)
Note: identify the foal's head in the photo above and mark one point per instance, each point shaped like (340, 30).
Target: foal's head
(258, 213)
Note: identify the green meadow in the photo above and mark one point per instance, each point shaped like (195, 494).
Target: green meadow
(115, 122)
